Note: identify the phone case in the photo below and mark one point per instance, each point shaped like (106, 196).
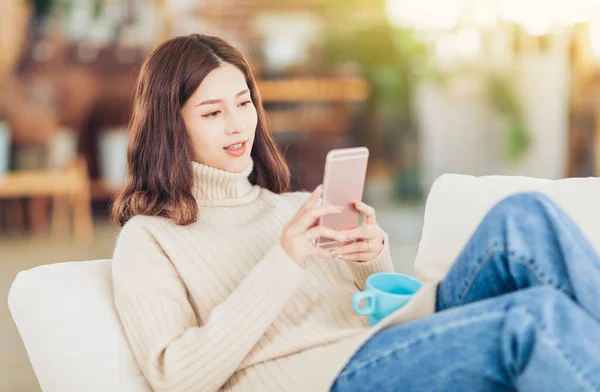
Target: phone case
(343, 183)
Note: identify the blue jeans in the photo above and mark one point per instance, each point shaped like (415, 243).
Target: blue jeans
(519, 310)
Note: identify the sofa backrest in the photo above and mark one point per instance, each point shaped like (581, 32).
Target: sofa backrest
(65, 315)
(457, 203)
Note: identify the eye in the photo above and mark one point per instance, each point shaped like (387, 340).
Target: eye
(212, 114)
(245, 103)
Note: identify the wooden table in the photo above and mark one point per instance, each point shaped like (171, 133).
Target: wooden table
(69, 189)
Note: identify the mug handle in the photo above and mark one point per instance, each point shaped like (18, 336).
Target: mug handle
(369, 298)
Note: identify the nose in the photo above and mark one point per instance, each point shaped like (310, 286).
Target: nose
(234, 124)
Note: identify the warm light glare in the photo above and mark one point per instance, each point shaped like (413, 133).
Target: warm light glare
(426, 14)
(464, 44)
(536, 16)
(510, 10)
(594, 32)
(445, 49)
(538, 21)
(403, 13)
(485, 13)
(468, 42)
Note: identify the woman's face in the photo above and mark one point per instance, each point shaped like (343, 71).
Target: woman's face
(220, 114)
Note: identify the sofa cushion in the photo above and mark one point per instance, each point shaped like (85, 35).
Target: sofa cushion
(65, 315)
(457, 203)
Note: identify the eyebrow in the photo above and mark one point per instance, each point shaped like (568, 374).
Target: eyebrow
(211, 101)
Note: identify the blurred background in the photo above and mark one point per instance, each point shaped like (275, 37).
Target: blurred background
(429, 86)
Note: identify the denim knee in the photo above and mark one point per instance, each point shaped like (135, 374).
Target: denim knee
(546, 295)
(522, 204)
(525, 202)
(537, 310)
(543, 303)
(533, 317)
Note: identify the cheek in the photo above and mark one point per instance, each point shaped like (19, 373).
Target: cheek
(201, 134)
(252, 119)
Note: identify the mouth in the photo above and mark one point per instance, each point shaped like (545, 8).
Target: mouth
(235, 146)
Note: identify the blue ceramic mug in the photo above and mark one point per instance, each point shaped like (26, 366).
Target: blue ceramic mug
(385, 293)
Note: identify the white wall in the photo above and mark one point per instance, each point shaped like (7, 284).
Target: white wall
(456, 133)
(461, 133)
(543, 84)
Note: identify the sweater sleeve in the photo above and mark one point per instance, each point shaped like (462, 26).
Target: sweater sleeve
(174, 352)
(381, 263)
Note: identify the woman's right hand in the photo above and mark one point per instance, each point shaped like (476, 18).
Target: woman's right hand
(299, 234)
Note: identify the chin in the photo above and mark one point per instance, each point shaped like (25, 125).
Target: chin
(237, 165)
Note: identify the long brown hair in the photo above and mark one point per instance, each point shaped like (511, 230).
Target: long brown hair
(159, 155)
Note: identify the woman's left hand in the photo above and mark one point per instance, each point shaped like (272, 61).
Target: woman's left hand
(369, 238)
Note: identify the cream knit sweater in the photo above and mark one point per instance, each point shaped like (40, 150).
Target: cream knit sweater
(219, 305)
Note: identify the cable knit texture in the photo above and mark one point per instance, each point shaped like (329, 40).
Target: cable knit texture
(219, 305)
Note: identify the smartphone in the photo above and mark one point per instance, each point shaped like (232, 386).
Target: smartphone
(343, 183)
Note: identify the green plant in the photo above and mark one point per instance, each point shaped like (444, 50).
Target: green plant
(390, 59)
(43, 8)
(517, 139)
(393, 61)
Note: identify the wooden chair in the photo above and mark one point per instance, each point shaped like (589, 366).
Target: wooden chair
(69, 189)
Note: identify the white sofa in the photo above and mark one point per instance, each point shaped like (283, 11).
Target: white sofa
(66, 319)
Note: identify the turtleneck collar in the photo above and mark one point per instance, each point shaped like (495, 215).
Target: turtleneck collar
(215, 187)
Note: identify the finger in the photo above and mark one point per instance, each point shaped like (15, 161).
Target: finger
(309, 204)
(355, 247)
(314, 198)
(356, 256)
(364, 232)
(367, 210)
(323, 231)
(308, 218)
(321, 252)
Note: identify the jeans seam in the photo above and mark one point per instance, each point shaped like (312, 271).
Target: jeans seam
(537, 275)
(421, 337)
(544, 334)
(553, 343)
(488, 255)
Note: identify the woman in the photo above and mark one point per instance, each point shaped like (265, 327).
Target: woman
(219, 287)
